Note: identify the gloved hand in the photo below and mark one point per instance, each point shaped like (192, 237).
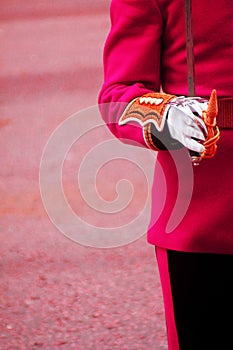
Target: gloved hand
(185, 123)
(168, 121)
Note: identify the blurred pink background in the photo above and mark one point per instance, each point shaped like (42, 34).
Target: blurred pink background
(56, 294)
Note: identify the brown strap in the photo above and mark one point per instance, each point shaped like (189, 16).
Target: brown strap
(225, 113)
(190, 49)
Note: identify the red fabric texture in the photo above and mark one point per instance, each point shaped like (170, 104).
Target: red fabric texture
(144, 52)
(207, 224)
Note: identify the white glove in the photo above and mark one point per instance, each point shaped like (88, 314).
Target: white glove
(185, 123)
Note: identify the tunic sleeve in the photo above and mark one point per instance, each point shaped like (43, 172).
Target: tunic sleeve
(131, 62)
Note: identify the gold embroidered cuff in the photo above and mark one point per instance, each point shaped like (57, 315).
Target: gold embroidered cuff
(150, 111)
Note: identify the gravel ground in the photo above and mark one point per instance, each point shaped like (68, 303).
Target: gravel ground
(57, 294)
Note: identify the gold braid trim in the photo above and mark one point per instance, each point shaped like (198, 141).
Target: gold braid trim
(148, 138)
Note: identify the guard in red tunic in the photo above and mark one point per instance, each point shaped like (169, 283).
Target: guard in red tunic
(146, 56)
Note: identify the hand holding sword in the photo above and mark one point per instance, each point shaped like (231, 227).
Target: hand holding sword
(169, 121)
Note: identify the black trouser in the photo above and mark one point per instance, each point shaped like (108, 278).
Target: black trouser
(202, 292)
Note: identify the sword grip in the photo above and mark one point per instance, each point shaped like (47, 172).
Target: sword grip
(195, 158)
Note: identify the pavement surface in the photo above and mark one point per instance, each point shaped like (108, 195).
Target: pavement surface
(55, 293)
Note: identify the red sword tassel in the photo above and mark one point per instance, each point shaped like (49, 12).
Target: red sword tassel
(209, 118)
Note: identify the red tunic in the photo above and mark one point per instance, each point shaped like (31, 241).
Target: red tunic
(146, 51)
